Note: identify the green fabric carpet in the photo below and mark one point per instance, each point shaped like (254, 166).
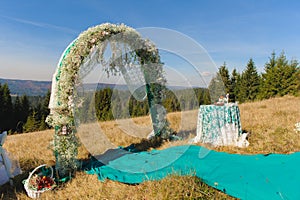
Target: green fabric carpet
(272, 176)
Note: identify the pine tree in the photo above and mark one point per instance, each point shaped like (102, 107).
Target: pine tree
(25, 106)
(289, 81)
(44, 111)
(206, 98)
(103, 104)
(280, 77)
(17, 117)
(87, 111)
(31, 124)
(272, 62)
(224, 73)
(170, 102)
(45, 105)
(42, 124)
(270, 79)
(116, 105)
(7, 109)
(38, 112)
(91, 110)
(249, 83)
(233, 90)
(216, 88)
(297, 79)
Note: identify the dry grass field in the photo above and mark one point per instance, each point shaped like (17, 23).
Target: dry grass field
(270, 125)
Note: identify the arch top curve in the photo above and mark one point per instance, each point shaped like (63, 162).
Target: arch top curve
(77, 53)
(63, 96)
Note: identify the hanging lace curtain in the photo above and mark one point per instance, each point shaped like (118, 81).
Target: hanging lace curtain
(125, 59)
(135, 80)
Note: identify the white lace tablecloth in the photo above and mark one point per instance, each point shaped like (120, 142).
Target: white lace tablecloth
(220, 126)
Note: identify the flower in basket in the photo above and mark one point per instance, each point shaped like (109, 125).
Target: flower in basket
(40, 183)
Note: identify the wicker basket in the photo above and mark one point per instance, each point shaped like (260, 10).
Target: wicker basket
(33, 193)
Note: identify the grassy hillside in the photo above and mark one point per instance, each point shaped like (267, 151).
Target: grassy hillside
(270, 124)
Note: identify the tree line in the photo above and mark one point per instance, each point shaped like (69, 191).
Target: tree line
(108, 104)
(280, 77)
(20, 114)
(27, 113)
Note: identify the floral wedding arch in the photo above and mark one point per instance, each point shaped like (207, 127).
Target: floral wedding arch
(127, 48)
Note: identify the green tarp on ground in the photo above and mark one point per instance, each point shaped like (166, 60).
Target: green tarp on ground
(273, 176)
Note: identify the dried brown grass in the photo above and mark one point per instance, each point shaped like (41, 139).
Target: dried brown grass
(270, 124)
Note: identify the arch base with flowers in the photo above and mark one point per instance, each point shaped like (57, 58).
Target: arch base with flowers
(128, 48)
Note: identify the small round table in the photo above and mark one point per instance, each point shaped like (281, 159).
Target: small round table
(219, 125)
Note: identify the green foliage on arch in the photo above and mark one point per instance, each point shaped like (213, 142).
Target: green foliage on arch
(127, 46)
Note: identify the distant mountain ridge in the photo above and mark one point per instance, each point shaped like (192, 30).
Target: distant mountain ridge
(27, 87)
(40, 88)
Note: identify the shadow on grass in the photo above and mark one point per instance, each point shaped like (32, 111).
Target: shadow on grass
(96, 161)
(144, 145)
(11, 192)
(147, 144)
(8, 191)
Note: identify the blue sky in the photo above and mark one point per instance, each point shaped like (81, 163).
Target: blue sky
(33, 33)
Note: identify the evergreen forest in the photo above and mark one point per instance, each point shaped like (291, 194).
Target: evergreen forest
(19, 114)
